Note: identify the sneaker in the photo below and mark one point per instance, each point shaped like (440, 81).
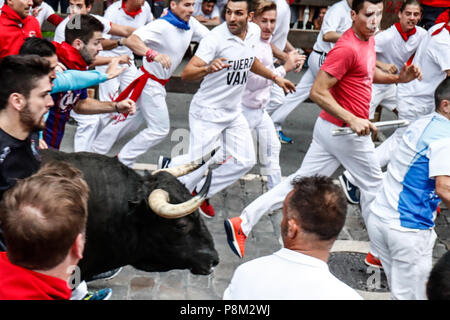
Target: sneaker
(102, 294)
(107, 275)
(206, 209)
(235, 237)
(351, 191)
(372, 261)
(163, 162)
(283, 138)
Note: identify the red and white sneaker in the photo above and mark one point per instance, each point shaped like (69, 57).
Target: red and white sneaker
(206, 209)
(235, 236)
(372, 261)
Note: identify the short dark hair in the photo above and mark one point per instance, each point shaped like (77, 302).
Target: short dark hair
(43, 214)
(209, 1)
(410, 2)
(41, 47)
(359, 4)
(438, 286)
(442, 92)
(88, 3)
(19, 74)
(82, 26)
(318, 205)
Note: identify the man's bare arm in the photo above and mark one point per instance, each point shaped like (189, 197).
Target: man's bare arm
(320, 94)
(443, 189)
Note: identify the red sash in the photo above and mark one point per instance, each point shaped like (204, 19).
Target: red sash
(136, 87)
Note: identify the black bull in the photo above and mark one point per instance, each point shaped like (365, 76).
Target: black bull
(123, 230)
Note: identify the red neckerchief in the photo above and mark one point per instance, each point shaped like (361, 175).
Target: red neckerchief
(132, 13)
(70, 56)
(405, 35)
(443, 17)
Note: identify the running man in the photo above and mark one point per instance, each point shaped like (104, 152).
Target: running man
(343, 90)
(223, 62)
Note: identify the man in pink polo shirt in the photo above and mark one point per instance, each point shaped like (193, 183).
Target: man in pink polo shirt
(343, 89)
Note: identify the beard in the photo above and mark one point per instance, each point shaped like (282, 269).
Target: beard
(28, 121)
(87, 57)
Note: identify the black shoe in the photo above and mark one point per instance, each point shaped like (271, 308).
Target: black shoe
(300, 24)
(350, 190)
(309, 26)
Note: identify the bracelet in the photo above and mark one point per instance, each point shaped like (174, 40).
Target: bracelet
(115, 106)
(274, 77)
(119, 42)
(150, 55)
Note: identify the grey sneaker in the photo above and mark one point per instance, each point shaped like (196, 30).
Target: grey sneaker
(163, 162)
(107, 275)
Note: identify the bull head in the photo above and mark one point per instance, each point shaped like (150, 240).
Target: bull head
(159, 199)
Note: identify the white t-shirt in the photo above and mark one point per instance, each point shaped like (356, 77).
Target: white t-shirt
(433, 58)
(338, 19)
(408, 198)
(280, 34)
(60, 29)
(287, 275)
(117, 15)
(391, 48)
(220, 92)
(198, 10)
(156, 35)
(46, 11)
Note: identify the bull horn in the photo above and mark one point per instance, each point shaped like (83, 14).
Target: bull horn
(189, 167)
(159, 202)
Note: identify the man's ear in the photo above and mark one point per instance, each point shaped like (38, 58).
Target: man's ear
(251, 16)
(17, 101)
(78, 44)
(293, 228)
(78, 246)
(445, 106)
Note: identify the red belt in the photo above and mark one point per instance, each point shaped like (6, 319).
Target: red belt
(136, 87)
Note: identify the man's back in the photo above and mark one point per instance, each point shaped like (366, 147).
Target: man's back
(287, 275)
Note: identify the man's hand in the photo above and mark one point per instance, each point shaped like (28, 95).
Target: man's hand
(60, 67)
(285, 84)
(42, 144)
(387, 67)
(35, 11)
(113, 68)
(217, 65)
(294, 61)
(362, 127)
(163, 59)
(124, 59)
(409, 73)
(126, 106)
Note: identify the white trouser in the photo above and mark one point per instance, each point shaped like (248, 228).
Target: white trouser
(111, 128)
(280, 111)
(236, 142)
(325, 154)
(263, 129)
(386, 95)
(90, 125)
(406, 257)
(152, 108)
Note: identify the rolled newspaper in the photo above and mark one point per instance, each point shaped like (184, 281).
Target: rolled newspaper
(382, 125)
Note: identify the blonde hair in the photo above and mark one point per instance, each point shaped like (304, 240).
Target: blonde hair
(262, 6)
